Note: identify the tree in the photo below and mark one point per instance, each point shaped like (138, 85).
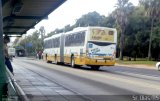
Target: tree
(153, 11)
(136, 35)
(16, 41)
(31, 43)
(109, 21)
(68, 28)
(123, 9)
(90, 19)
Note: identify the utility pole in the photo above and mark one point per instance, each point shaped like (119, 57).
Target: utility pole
(150, 45)
(150, 41)
(3, 76)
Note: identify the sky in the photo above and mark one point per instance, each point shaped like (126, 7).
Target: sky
(72, 10)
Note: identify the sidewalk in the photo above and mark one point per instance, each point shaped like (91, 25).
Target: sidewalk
(39, 88)
(137, 66)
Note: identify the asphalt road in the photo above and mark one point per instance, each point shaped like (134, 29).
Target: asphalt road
(113, 81)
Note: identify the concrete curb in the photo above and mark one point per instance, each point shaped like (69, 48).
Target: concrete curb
(137, 66)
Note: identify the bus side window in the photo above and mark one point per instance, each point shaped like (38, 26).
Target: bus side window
(50, 43)
(47, 44)
(76, 39)
(44, 44)
(53, 43)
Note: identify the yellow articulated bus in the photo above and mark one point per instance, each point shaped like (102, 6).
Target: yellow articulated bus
(91, 46)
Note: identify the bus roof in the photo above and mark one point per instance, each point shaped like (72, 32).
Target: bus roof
(53, 36)
(87, 28)
(78, 29)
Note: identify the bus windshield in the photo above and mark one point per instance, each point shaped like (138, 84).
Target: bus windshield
(101, 48)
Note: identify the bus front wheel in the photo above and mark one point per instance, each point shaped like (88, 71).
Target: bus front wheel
(95, 67)
(72, 61)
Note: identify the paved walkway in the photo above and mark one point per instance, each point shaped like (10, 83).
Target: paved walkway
(38, 88)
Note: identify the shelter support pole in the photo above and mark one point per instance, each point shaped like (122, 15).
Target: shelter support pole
(3, 76)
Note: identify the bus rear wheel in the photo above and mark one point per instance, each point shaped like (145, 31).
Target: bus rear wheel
(95, 67)
(56, 60)
(49, 61)
(159, 68)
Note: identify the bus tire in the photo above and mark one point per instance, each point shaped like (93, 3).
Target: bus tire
(158, 67)
(95, 67)
(56, 61)
(49, 61)
(72, 61)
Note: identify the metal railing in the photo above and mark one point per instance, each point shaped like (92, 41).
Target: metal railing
(15, 93)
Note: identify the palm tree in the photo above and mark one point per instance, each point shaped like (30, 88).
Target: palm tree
(123, 9)
(153, 11)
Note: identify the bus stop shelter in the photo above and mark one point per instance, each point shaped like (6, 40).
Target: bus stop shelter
(16, 18)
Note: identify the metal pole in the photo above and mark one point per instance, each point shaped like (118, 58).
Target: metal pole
(3, 76)
(150, 41)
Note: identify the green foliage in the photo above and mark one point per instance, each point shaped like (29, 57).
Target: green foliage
(153, 12)
(35, 41)
(90, 19)
(123, 9)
